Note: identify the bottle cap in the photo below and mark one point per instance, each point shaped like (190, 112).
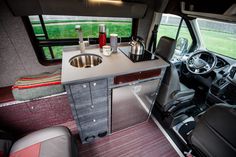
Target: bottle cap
(113, 35)
(102, 28)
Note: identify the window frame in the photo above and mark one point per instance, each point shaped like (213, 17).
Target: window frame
(191, 32)
(189, 26)
(38, 45)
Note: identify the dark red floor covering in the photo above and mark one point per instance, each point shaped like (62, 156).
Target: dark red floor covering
(141, 140)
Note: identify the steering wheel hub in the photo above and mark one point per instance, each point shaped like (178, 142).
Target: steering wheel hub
(198, 63)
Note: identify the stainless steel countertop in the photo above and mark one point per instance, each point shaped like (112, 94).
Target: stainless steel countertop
(116, 64)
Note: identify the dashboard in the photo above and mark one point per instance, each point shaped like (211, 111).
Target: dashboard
(221, 69)
(221, 82)
(221, 63)
(232, 74)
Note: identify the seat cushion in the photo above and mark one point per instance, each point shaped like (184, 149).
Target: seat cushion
(183, 87)
(214, 134)
(36, 86)
(185, 94)
(49, 142)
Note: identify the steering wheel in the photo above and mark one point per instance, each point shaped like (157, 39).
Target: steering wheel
(197, 64)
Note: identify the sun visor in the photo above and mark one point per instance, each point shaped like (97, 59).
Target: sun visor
(229, 15)
(111, 8)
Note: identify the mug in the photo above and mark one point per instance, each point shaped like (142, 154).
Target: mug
(114, 42)
(106, 50)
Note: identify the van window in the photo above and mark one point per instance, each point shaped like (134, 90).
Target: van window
(53, 32)
(169, 26)
(218, 37)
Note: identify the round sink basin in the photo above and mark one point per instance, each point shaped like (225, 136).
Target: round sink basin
(85, 60)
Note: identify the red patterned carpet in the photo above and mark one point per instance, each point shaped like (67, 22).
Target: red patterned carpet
(142, 140)
(26, 117)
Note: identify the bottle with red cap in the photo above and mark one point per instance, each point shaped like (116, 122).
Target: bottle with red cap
(102, 35)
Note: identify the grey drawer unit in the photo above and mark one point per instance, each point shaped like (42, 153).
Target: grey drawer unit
(89, 103)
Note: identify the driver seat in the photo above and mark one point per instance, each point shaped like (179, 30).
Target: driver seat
(172, 94)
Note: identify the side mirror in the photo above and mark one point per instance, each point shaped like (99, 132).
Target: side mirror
(181, 46)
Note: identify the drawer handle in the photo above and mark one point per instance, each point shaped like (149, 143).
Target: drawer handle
(94, 84)
(84, 86)
(89, 138)
(92, 107)
(102, 134)
(94, 120)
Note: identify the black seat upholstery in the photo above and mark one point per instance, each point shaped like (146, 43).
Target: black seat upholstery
(172, 93)
(215, 132)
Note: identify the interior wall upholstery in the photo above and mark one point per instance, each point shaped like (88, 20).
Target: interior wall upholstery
(144, 24)
(77, 7)
(17, 56)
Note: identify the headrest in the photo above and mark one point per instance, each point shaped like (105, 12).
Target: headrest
(166, 48)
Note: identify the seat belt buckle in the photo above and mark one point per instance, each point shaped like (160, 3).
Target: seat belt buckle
(189, 154)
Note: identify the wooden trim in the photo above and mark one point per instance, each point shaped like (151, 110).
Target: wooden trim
(150, 73)
(137, 76)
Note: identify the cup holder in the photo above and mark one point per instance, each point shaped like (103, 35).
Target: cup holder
(184, 128)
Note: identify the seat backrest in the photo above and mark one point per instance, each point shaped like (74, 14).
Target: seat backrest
(215, 132)
(5, 143)
(166, 48)
(170, 83)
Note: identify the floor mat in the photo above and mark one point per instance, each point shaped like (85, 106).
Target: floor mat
(142, 140)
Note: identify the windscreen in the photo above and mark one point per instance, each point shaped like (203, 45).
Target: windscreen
(219, 37)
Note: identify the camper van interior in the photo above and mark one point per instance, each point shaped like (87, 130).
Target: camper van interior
(117, 78)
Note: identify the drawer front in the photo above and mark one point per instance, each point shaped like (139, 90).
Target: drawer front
(93, 126)
(93, 108)
(82, 99)
(79, 88)
(99, 96)
(81, 94)
(99, 84)
(92, 130)
(92, 117)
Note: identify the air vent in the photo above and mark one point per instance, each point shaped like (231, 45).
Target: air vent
(232, 72)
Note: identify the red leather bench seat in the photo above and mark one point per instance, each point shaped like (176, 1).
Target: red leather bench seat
(49, 142)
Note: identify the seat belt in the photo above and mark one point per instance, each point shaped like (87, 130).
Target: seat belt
(152, 44)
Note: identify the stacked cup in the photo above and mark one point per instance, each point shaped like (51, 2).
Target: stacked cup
(108, 50)
(114, 42)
